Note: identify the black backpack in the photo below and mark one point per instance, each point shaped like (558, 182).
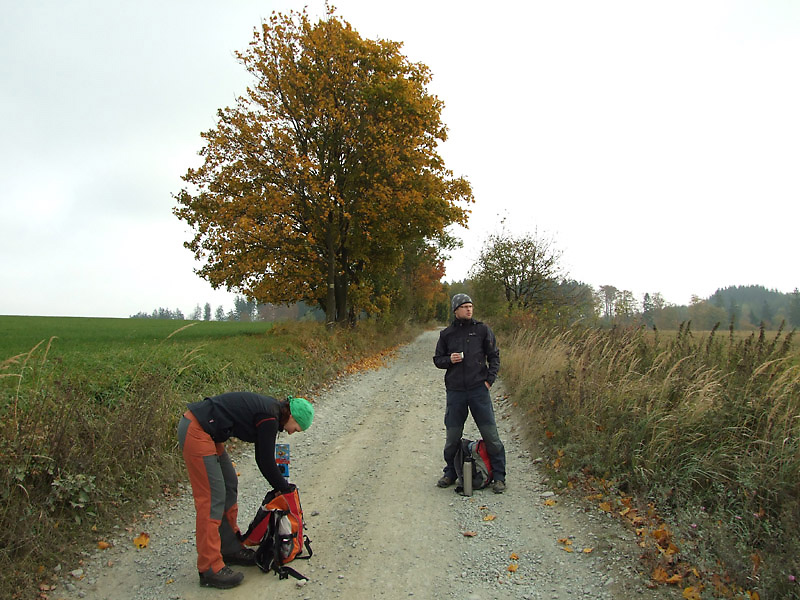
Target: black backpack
(476, 454)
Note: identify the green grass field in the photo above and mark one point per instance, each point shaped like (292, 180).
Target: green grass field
(20, 334)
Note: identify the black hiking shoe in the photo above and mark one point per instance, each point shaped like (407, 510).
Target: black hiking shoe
(223, 579)
(499, 486)
(244, 557)
(445, 482)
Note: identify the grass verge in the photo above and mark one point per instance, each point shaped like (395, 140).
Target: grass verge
(88, 417)
(703, 429)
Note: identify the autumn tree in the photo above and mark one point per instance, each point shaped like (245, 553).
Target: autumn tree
(525, 268)
(322, 175)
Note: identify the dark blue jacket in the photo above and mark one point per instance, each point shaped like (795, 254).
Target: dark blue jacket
(481, 355)
(249, 417)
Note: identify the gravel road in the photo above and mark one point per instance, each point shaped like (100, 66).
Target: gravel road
(379, 526)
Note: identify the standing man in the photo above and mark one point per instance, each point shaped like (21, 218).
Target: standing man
(201, 433)
(468, 350)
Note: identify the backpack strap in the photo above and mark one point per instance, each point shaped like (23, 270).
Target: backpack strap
(284, 572)
(307, 544)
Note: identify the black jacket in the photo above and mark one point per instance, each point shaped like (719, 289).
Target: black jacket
(481, 355)
(249, 417)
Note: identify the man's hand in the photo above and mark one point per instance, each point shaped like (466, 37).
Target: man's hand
(456, 357)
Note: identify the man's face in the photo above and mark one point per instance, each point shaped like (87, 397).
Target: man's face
(464, 311)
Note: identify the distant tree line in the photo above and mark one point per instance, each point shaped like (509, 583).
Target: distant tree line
(521, 275)
(160, 313)
(244, 309)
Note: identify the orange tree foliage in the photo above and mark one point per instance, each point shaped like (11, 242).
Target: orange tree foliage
(322, 177)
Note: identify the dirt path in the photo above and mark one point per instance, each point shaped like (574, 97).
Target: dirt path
(379, 527)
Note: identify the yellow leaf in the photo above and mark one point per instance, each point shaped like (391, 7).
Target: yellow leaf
(756, 558)
(661, 536)
(567, 549)
(691, 593)
(605, 506)
(675, 579)
(659, 575)
(103, 545)
(514, 556)
(587, 550)
(141, 540)
(671, 549)
(489, 518)
(512, 567)
(549, 502)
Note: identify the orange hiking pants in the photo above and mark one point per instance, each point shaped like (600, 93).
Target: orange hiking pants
(214, 488)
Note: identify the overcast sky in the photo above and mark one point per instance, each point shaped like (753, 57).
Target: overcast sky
(656, 143)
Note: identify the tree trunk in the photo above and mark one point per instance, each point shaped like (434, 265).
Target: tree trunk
(341, 299)
(330, 301)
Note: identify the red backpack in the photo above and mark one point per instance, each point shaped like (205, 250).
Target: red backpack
(474, 456)
(277, 530)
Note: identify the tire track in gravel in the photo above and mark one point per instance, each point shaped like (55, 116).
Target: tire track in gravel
(379, 526)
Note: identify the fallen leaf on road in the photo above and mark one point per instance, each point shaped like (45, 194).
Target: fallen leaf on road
(489, 518)
(660, 575)
(691, 593)
(514, 556)
(103, 545)
(469, 534)
(549, 502)
(513, 567)
(141, 540)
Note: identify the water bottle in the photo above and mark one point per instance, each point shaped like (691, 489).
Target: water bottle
(467, 475)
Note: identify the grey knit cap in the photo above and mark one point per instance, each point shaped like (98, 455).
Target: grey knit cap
(460, 299)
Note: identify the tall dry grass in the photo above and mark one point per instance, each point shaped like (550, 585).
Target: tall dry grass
(706, 425)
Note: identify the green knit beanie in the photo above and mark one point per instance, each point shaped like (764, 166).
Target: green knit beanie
(303, 412)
